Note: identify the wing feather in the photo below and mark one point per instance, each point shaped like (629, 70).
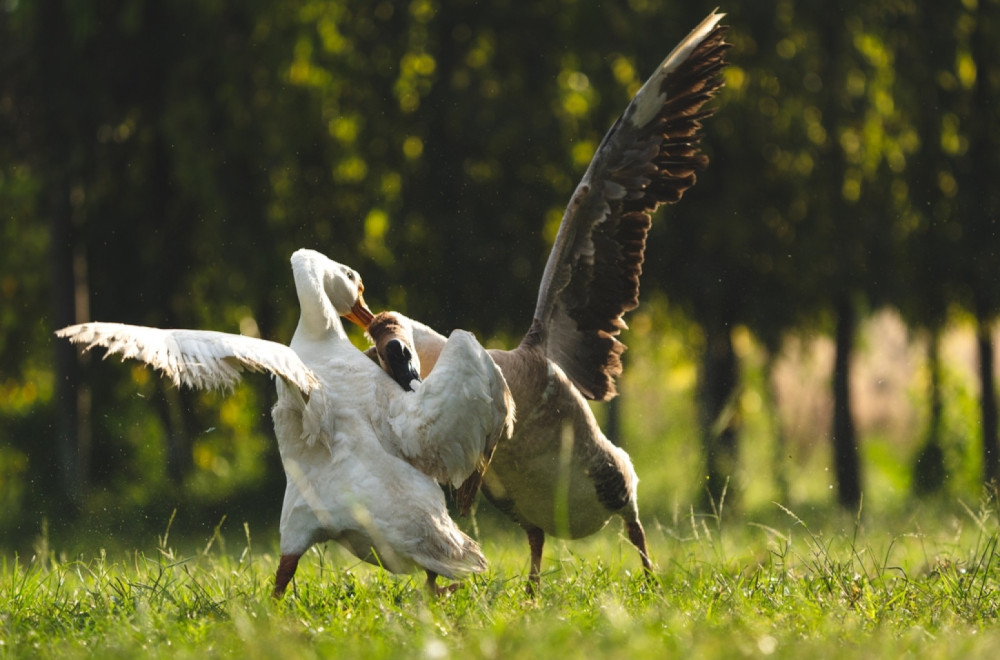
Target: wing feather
(449, 426)
(200, 359)
(648, 158)
(429, 345)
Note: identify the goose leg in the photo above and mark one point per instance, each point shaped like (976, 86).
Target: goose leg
(536, 541)
(436, 590)
(286, 569)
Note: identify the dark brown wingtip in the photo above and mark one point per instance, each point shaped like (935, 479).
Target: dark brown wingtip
(679, 122)
(678, 129)
(649, 158)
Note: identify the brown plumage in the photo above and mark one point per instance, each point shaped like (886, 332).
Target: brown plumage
(592, 276)
(558, 474)
(393, 349)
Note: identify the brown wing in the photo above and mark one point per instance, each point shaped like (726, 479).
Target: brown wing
(648, 158)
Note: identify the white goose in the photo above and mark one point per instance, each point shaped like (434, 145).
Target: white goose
(360, 455)
(559, 474)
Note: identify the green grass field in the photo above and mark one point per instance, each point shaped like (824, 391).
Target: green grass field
(746, 578)
(925, 583)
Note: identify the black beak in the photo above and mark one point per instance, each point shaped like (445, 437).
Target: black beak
(400, 362)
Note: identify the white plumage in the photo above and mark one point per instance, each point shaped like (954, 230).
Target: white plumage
(353, 443)
(461, 398)
(200, 359)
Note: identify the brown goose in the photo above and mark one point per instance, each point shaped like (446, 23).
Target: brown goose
(559, 474)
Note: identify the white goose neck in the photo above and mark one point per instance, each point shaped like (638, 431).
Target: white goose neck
(318, 318)
(319, 327)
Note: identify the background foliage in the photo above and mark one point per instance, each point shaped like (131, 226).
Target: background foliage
(159, 162)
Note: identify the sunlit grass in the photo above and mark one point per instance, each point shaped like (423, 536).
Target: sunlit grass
(774, 571)
(788, 584)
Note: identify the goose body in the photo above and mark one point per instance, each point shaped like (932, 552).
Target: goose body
(558, 474)
(353, 471)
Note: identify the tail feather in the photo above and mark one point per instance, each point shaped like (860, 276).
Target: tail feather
(454, 560)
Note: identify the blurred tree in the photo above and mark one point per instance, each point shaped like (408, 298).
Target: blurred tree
(927, 282)
(979, 204)
(158, 134)
(856, 148)
(25, 371)
(168, 157)
(810, 238)
(59, 142)
(837, 219)
(728, 254)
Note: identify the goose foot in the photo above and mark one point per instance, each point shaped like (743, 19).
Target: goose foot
(437, 590)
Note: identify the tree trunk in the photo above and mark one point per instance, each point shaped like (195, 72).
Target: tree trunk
(720, 417)
(982, 201)
(779, 457)
(179, 460)
(72, 400)
(928, 468)
(845, 445)
(56, 133)
(988, 405)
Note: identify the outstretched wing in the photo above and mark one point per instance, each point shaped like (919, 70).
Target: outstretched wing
(200, 359)
(449, 426)
(648, 158)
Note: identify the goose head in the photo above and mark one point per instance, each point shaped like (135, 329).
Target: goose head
(394, 347)
(328, 290)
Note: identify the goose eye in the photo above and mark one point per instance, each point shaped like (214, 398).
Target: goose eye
(351, 276)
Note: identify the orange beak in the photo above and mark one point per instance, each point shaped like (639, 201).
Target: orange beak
(360, 314)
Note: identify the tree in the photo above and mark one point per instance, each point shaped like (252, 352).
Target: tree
(979, 75)
(927, 282)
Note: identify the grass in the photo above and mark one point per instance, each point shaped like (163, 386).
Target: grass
(748, 579)
(925, 583)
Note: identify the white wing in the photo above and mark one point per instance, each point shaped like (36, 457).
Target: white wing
(201, 359)
(449, 426)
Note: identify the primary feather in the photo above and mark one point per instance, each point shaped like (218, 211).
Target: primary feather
(200, 359)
